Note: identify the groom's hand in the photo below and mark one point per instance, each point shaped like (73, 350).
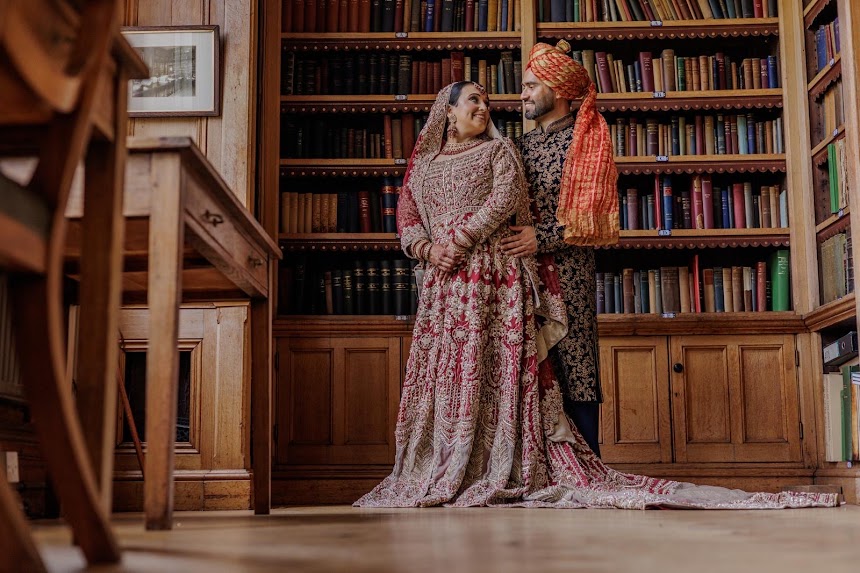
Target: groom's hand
(522, 244)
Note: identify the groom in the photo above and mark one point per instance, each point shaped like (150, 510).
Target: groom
(573, 181)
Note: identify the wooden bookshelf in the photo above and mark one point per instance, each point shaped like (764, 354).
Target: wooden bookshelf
(819, 152)
(702, 238)
(342, 167)
(841, 311)
(339, 242)
(699, 323)
(833, 224)
(751, 163)
(822, 80)
(812, 10)
(691, 100)
(381, 103)
(670, 29)
(407, 41)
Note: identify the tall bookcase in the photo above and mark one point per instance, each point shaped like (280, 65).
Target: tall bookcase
(824, 33)
(727, 398)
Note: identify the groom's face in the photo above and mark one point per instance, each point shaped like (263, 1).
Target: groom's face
(537, 97)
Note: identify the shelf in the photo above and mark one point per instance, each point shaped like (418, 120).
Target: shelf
(702, 238)
(812, 10)
(712, 28)
(819, 152)
(690, 100)
(417, 41)
(673, 101)
(839, 311)
(701, 323)
(825, 77)
(702, 164)
(339, 242)
(341, 324)
(342, 167)
(833, 224)
(381, 103)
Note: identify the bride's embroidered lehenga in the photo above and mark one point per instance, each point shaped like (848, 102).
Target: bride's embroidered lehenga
(481, 420)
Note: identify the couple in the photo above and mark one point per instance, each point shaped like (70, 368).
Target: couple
(482, 419)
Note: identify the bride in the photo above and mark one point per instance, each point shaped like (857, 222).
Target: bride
(481, 420)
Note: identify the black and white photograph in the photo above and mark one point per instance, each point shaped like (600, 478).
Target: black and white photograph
(183, 71)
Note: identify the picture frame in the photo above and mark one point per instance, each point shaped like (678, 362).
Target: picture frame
(185, 71)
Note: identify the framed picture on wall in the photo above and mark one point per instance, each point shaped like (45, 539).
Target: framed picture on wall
(184, 71)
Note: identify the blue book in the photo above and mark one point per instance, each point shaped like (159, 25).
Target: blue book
(503, 27)
(715, 8)
(772, 72)
(668, 203)
(742, 141)
(730, 8)
(619, 306)
(428, 17)
(483, 8)
(821, 47)
(644, 292)
(730, 205)
(622, 211)
(750, 134)
(568, 10)
(637, 74)
(725, 209)
(719, 296)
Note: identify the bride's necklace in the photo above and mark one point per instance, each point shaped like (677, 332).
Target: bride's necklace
(452, 147)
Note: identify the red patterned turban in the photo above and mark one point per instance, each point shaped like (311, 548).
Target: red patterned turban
(588, 200)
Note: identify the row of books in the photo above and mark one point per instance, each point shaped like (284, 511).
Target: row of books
(374, 73)
(826, 44)
(384, 137)
(401, 16)
(828, 113)
(842, 414)
(719, 134)
(702, 205)
(370, 210)
(668, 72)
(651, 10)
(694, 289)
(372, 286)
(836, 265)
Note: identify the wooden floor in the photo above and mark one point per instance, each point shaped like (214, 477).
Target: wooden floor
(474, 540)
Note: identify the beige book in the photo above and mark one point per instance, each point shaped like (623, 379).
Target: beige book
(332, 213)
(684, 282)
(308, 211)
(324, 212)
(300, 227)
(728, 291)
(294, 213)
(316, 212)
(285, 212)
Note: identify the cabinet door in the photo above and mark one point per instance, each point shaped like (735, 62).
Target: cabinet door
(337, 400)
(635, 415)
(735, 399)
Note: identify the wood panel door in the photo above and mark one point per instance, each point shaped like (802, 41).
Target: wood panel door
(337, 400)
(735, 399)
(635, 415)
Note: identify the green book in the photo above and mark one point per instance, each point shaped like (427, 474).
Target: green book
(779, 278)
(833, 178)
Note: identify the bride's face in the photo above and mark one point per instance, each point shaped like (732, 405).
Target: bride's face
(472, 111)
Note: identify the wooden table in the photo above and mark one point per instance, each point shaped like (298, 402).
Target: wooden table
(188, 237)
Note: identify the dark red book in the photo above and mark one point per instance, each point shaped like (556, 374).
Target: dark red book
(738, 205)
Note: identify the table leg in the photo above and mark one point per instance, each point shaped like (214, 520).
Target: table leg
(166, 231)
(103, 228)
(261, 398)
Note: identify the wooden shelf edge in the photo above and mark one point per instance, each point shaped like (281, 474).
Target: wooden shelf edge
(339, 242)
(690, 100)
(834, 312)
(735, 27)
(341, 325)
(823, 79)
(701, 323)
(341, 167)
(380, 103)
(812, 10)
(389, 41)
(839, 470)
(734, 163)
(833, 224)
(838, 134)
(702, 238)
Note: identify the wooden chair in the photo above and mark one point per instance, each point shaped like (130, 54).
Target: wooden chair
(52, 55)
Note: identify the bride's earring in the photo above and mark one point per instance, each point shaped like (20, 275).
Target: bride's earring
(452, 126)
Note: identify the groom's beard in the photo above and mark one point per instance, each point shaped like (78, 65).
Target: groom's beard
(539, 107)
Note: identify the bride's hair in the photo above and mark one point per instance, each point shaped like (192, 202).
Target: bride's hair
(457, 89)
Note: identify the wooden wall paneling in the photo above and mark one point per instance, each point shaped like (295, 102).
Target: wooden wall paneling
(269, 114)
(767, 424)
(810, 396)
(701, 398)
(804, 267)
(229, 140)
(635, 416)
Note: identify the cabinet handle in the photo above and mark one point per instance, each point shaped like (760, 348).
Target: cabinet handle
(213, 219)
(678, 367)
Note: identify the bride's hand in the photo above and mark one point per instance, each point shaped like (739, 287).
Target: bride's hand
(444, 258)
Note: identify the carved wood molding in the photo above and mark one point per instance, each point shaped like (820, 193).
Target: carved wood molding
(338, 325)
(701, 323)
(728, 28)
(411, 41)
(381, 103)
(832, 313)
(702, 164)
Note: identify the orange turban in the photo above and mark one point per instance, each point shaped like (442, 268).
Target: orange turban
(588, 200)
